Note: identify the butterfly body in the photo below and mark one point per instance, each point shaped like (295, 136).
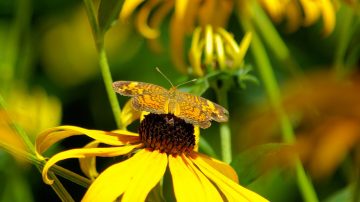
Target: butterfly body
(156, 99)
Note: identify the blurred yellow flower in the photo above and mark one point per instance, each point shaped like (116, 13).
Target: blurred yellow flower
(215, 48)
(164, 141)
(34, 111)
(302, 13)
(326, 114)
(187, 15)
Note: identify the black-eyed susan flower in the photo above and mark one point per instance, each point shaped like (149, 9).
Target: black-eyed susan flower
(163, 142)
(215, 48)
(187, 15)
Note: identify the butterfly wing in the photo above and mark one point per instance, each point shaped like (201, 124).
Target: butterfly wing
(200, 111)
(145, 96)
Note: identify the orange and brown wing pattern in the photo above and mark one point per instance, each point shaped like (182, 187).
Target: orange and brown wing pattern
(200, 111)
(145, 96)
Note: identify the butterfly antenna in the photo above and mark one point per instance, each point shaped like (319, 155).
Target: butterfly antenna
(186, 82)
(157, 68)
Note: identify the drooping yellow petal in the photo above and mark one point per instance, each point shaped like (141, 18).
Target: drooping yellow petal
(206, 12)
(148, 174)
(142, 20)
(187, 186)
(328, 15)
(311, 12)
(128, 8)
(53, 135)
(222, 167)
(113, 181)
(82, 153)
(177, 34)
(88, 164)
(232, 190)
(211, 193)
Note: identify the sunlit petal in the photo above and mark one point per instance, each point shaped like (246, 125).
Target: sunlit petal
(147, 176)
(243, 47)
(328, 14)
(209, 46)
(180, 8)
(129, 114)
(311, 12)
(128, 8)
(113, 181)
(82, 153)
(211, 193)
(53, 135)
(232, 190)
(219, 45)
(142, 20)
(195, 52)
(222, 167)
(187, 187)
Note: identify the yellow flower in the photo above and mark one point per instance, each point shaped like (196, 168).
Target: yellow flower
(187, 15)
(302, 13)
(164, 141)
(216, 49)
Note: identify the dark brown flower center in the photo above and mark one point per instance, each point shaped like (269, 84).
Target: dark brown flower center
(167, 133)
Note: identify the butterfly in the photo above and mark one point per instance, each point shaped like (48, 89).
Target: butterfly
(156, 99)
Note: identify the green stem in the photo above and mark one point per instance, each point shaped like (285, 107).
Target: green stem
(273, 39)
(273, 91)
(103, 62)
(12, 44)
(225, 133)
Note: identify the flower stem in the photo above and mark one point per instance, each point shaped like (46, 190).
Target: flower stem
(273, 91)
(225, 133)
(103, 62)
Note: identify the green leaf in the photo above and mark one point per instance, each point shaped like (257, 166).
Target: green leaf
(342, 195)
(249, 165)
(108, 13)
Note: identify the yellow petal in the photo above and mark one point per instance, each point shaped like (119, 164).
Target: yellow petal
(243, 47)
(328, 15)
(209, 46)
(128, 8)
(311, 12)
(142, 19)
(88, 164)
(232, 190)
(148, 174)
(187, 186)
(129, 114)
(229, 39)
(53, 135)
(82, 153)
(211, 193)
(195, 52)
(113, 181)
(222, 167)
(220, 53)
(180, 8)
